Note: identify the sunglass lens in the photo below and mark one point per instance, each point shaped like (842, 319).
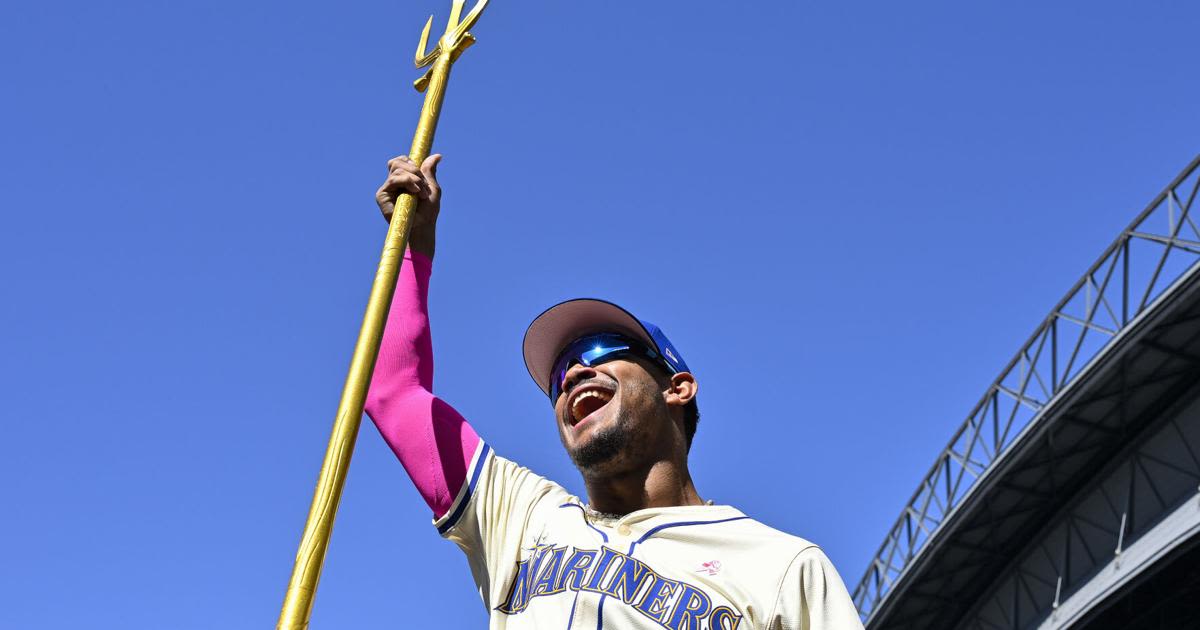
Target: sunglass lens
(589, 351)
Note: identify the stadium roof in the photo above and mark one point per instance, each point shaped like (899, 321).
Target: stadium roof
(1092, 372)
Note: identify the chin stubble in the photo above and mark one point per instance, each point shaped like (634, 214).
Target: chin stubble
(605, 445)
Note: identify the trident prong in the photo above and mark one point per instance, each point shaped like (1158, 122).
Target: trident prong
(455, 13)
(423, 59)
(453, 42)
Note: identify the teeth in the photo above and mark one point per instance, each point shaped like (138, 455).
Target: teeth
(592, 393)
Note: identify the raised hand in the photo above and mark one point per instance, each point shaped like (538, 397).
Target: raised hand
(405, 176)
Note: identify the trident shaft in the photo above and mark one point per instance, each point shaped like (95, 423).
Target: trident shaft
(298, 602)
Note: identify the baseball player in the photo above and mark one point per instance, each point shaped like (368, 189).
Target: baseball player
(644, 550)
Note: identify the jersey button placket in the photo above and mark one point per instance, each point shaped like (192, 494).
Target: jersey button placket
(624, 530)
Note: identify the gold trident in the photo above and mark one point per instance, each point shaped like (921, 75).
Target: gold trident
(298, 602)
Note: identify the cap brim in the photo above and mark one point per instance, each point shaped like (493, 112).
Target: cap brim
(563, 323)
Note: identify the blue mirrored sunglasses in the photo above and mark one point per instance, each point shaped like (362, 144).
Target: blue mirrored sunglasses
(595, 349)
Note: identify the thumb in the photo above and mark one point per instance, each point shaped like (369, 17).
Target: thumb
(430, 165)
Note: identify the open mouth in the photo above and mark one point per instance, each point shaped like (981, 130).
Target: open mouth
(587, 402)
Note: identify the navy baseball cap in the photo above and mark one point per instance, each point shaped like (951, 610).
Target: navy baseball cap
(563, 323)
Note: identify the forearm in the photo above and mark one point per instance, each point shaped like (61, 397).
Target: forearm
(433, 442)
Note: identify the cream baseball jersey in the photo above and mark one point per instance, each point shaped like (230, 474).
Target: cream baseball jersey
(541, 561)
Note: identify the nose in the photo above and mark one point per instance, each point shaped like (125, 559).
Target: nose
(576, 373)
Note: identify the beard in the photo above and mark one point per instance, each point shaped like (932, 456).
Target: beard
(603, 447)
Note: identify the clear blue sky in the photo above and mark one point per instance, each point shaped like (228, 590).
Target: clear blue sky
(848, 217)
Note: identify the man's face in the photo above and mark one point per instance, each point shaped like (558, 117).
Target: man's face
(614, 417)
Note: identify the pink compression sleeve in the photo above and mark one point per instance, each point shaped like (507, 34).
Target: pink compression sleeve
(433, 442)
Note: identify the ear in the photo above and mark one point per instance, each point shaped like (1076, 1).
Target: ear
(682, 389)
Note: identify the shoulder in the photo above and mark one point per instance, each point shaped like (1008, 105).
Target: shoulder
(785, 557)
(746, 542)
(811, 594)
(780, 543)
(792, 556)
(799, 585)
(497, 492)
(513, 479)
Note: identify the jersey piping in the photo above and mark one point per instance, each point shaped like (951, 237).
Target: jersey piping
(447, 522)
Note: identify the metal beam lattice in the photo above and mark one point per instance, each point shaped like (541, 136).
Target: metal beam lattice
(1085, 541)
(1155, 250)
